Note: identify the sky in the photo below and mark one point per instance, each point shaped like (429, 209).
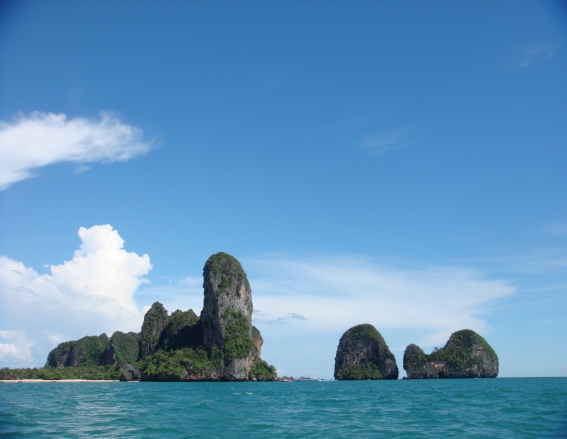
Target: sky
(402, 164)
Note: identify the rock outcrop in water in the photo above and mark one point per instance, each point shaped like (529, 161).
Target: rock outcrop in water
(222, 344)
(466, 355)
(363, 354)
(226, 317)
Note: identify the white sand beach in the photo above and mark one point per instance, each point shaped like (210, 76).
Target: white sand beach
(60, 381)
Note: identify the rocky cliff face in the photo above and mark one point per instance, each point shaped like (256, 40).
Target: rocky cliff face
(121, 349)
(87, 351)
(221, 345)
(466, 355)
(363, 354)
(257, 340)
(155, 320)
(226, 317)
(129, 373)
(95, 350)
(182, 331)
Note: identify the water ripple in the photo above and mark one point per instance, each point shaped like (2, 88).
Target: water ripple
(504, 408)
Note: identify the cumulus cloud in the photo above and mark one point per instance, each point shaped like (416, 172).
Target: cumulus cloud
(89, 294)
(17, 351)
(333, 295)
(40, 139)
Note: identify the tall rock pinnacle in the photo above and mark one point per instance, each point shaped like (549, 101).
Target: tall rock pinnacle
(226, 317)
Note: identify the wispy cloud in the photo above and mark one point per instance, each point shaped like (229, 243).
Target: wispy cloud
(262, 317)
(41, 139)
(334, 294)
(527, 56)
(382, 144)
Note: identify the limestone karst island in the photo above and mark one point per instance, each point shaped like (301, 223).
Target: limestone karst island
(363, 354)
(222, 345)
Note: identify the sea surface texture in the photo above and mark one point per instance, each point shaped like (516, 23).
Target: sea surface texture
(459, 408)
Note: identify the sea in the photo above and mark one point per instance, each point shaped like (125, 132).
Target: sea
(452, 408)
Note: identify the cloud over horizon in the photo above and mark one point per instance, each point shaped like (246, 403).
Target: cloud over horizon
(332, 295)
(40, 139)
(18, 350)
(89, 294)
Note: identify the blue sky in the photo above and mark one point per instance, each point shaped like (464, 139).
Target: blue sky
(395, 163)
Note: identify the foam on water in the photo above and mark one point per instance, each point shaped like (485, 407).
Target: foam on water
(504, 408)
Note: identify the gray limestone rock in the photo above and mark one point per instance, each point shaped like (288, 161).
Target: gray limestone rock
(183, 330)
(129, 373)
(122, 348)
(86, 351)
(363, 354)
(466, 355)
(155, 320)
(257, 340)
(226, 317)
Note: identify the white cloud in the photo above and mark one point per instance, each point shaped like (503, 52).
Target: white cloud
(54, 338)
(333, 295)
(89, 294)
(41, 139)
(17, 351)
(526, 56)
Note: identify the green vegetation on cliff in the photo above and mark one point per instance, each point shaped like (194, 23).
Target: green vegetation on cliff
(466, 354)
(182, 331)
(86, 351)
(170, 365)
(362, 354)
(155, 320)
(457, 352)
(228, 269)
(364, 331)
(414, 357)
(262, 371)
(222, 344)
(362, 371)
(126, 347)
(237, 340)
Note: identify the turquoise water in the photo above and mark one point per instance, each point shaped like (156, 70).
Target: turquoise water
(503, 408)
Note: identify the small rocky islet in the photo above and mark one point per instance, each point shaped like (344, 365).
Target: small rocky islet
(363, 354)
(465, 355)
(219, 345)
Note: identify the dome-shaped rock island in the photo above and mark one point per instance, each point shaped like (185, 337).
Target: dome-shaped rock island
(466, 355)
(363, 354)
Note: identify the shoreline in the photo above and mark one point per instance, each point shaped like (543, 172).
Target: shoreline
(59, 381)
